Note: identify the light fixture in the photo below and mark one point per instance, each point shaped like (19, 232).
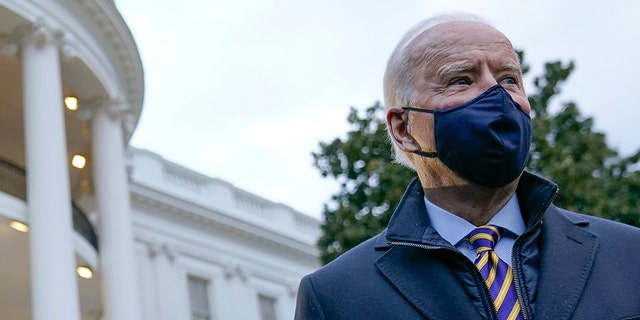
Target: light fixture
(19, 226)
(84, 272)
(78, 161)
(71, 103)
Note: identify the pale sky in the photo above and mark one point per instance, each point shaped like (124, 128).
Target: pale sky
(244, 90)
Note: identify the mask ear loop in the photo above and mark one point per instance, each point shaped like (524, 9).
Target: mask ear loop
(419, 110)
(420, 152)
(426, 154)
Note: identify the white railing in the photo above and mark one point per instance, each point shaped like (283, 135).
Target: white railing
(221, 197)
(184, 179)
(253, 204)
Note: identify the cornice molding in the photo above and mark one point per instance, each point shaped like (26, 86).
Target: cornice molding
(236, 227)
(112, 27)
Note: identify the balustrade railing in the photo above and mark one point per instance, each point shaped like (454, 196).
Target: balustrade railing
(13, 181)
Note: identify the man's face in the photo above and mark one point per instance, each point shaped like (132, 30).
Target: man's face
(454, 63)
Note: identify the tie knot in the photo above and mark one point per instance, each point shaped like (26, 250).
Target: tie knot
(484, 238)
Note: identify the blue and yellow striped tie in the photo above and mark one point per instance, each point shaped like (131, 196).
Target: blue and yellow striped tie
(497, 273)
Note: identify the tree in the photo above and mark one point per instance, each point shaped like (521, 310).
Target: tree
(370, 183)
(592, 177)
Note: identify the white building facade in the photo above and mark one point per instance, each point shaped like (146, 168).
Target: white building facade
(161, 241)
(206, 247)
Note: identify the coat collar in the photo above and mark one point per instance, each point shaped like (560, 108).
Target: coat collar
(427, 282)
(410, 221)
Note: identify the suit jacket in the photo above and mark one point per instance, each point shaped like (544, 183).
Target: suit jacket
(567, 266)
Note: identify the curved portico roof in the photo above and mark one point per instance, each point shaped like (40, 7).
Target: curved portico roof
(100, 59)
(100, 64)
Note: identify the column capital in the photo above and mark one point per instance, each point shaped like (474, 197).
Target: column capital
(236, 271)
(115, 108)
(170, 252)
(156, 249)
(153, 248)
(38, 33)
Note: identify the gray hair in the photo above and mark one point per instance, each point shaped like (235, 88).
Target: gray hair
(399, 89)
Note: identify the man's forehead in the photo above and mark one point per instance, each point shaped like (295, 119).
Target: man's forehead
(447, 37)
(457, 32)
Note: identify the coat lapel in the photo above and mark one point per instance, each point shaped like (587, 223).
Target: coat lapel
(568, 254)
(429, 284)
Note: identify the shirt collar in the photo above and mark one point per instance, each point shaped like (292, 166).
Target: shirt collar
(453, 228)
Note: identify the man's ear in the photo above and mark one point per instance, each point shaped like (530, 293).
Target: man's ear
(398, 124)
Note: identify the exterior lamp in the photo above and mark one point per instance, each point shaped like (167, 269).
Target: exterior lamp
(71, 103)
(78, 161)
(84, 272)
(19, 226)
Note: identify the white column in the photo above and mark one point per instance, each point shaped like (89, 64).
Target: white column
(171, 283)
(239, 295)
(117, 258)
(53, 279)
(288, 303)
(145, 253)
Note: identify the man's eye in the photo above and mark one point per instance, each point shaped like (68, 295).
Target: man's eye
(509, 80)
(460, 81)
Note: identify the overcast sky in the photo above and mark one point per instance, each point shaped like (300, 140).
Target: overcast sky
(244, 90)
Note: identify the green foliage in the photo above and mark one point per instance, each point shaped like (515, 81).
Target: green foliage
(370, 183)
(592, 177)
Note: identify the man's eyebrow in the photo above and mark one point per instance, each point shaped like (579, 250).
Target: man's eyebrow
(462, 67)
(515, 67)
(455, 68)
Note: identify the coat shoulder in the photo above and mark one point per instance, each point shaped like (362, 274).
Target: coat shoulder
(607, 230)
(344, 286)
(358, 260)
(602, 256)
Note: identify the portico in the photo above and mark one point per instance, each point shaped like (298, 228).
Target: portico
(50, 52)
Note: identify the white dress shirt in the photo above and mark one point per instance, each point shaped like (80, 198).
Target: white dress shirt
(454, 229)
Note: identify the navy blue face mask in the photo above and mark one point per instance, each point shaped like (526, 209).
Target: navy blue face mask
(485, 140)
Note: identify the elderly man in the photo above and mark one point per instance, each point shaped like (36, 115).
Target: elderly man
(474, 237)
